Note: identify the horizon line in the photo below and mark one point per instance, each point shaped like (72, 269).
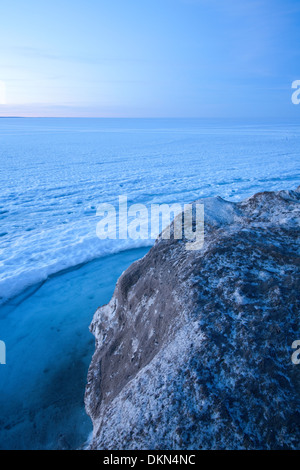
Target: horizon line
(146, 117)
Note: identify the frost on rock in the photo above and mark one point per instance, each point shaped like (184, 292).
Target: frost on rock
(194, 349)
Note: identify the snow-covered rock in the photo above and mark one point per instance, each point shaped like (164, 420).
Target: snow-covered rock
(194, 349)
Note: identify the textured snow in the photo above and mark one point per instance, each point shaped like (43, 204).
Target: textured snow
(54, 173)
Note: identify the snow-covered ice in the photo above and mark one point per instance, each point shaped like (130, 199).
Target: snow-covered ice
(53, 174)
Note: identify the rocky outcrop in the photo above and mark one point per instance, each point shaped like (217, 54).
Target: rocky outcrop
(194, 349)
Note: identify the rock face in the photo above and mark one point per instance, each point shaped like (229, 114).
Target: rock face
(194, 349)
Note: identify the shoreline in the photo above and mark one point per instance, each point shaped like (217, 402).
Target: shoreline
(26, 293)
(182, 337)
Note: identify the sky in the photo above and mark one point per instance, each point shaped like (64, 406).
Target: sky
(149, 58)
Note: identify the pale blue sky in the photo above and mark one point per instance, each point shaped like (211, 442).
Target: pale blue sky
(150, 58)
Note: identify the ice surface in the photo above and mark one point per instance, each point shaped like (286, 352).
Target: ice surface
(53, 174)
(49, 349)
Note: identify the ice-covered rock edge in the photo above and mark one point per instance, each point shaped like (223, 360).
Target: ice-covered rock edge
(193, 350)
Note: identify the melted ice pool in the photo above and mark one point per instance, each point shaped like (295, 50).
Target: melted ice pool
(49, 348)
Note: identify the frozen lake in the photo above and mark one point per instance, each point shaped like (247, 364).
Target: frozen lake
(53, 174)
